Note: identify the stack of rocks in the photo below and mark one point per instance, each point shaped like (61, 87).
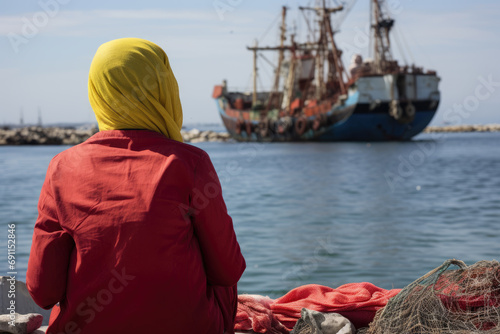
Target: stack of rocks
(197, 136)
(36, 135)
(464, 128)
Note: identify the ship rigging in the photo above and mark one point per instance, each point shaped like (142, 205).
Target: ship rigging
(313, 95)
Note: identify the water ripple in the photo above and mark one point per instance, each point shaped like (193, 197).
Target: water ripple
(326, 213)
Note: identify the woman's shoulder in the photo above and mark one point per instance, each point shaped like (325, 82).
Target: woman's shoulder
(169, 147)
(129, 143)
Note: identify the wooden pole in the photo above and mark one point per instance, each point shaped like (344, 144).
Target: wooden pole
(280, 56)
(339, 68)
(254, 96)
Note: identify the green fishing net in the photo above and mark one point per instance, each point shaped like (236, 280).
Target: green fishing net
(445, 301)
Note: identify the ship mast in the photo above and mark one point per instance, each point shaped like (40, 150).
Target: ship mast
(320, 56)
(339, 67)
(326, 37)
(254, 95)
(281, 49)
(281, 56)
(325, 50)
(290, 82)
(381, 26)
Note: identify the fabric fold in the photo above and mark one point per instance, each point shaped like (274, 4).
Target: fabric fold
(132, 86)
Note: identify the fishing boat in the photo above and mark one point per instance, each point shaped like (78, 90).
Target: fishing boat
(315, 98)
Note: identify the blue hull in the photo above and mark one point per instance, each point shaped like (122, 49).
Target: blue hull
(377, 127)
(350, 121)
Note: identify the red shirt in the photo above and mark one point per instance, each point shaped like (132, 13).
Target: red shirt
(132, 234)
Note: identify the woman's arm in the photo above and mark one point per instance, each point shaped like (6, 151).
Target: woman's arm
(50, 253)
(224, 263)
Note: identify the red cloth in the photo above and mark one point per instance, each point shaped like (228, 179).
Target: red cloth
(132, 237)
(254, 313)
(358, 302)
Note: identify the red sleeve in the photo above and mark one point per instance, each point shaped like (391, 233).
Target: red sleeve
(50, 253)
(224, 263)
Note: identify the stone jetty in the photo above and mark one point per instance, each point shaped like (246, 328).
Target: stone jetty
(197, 136)
(464, 128)
(36, 135)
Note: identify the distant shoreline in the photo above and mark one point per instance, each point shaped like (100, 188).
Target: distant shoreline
(463, 128)
(37, 135)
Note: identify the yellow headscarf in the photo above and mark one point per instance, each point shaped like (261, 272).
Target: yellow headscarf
(131, 86)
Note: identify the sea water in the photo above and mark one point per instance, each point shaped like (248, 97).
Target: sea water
(325, 213)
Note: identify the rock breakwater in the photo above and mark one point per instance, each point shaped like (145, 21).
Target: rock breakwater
(464, 128)
(36, 135)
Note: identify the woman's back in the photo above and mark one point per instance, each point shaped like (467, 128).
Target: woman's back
(134, 229)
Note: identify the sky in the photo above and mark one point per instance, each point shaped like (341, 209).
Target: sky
(46, 47)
